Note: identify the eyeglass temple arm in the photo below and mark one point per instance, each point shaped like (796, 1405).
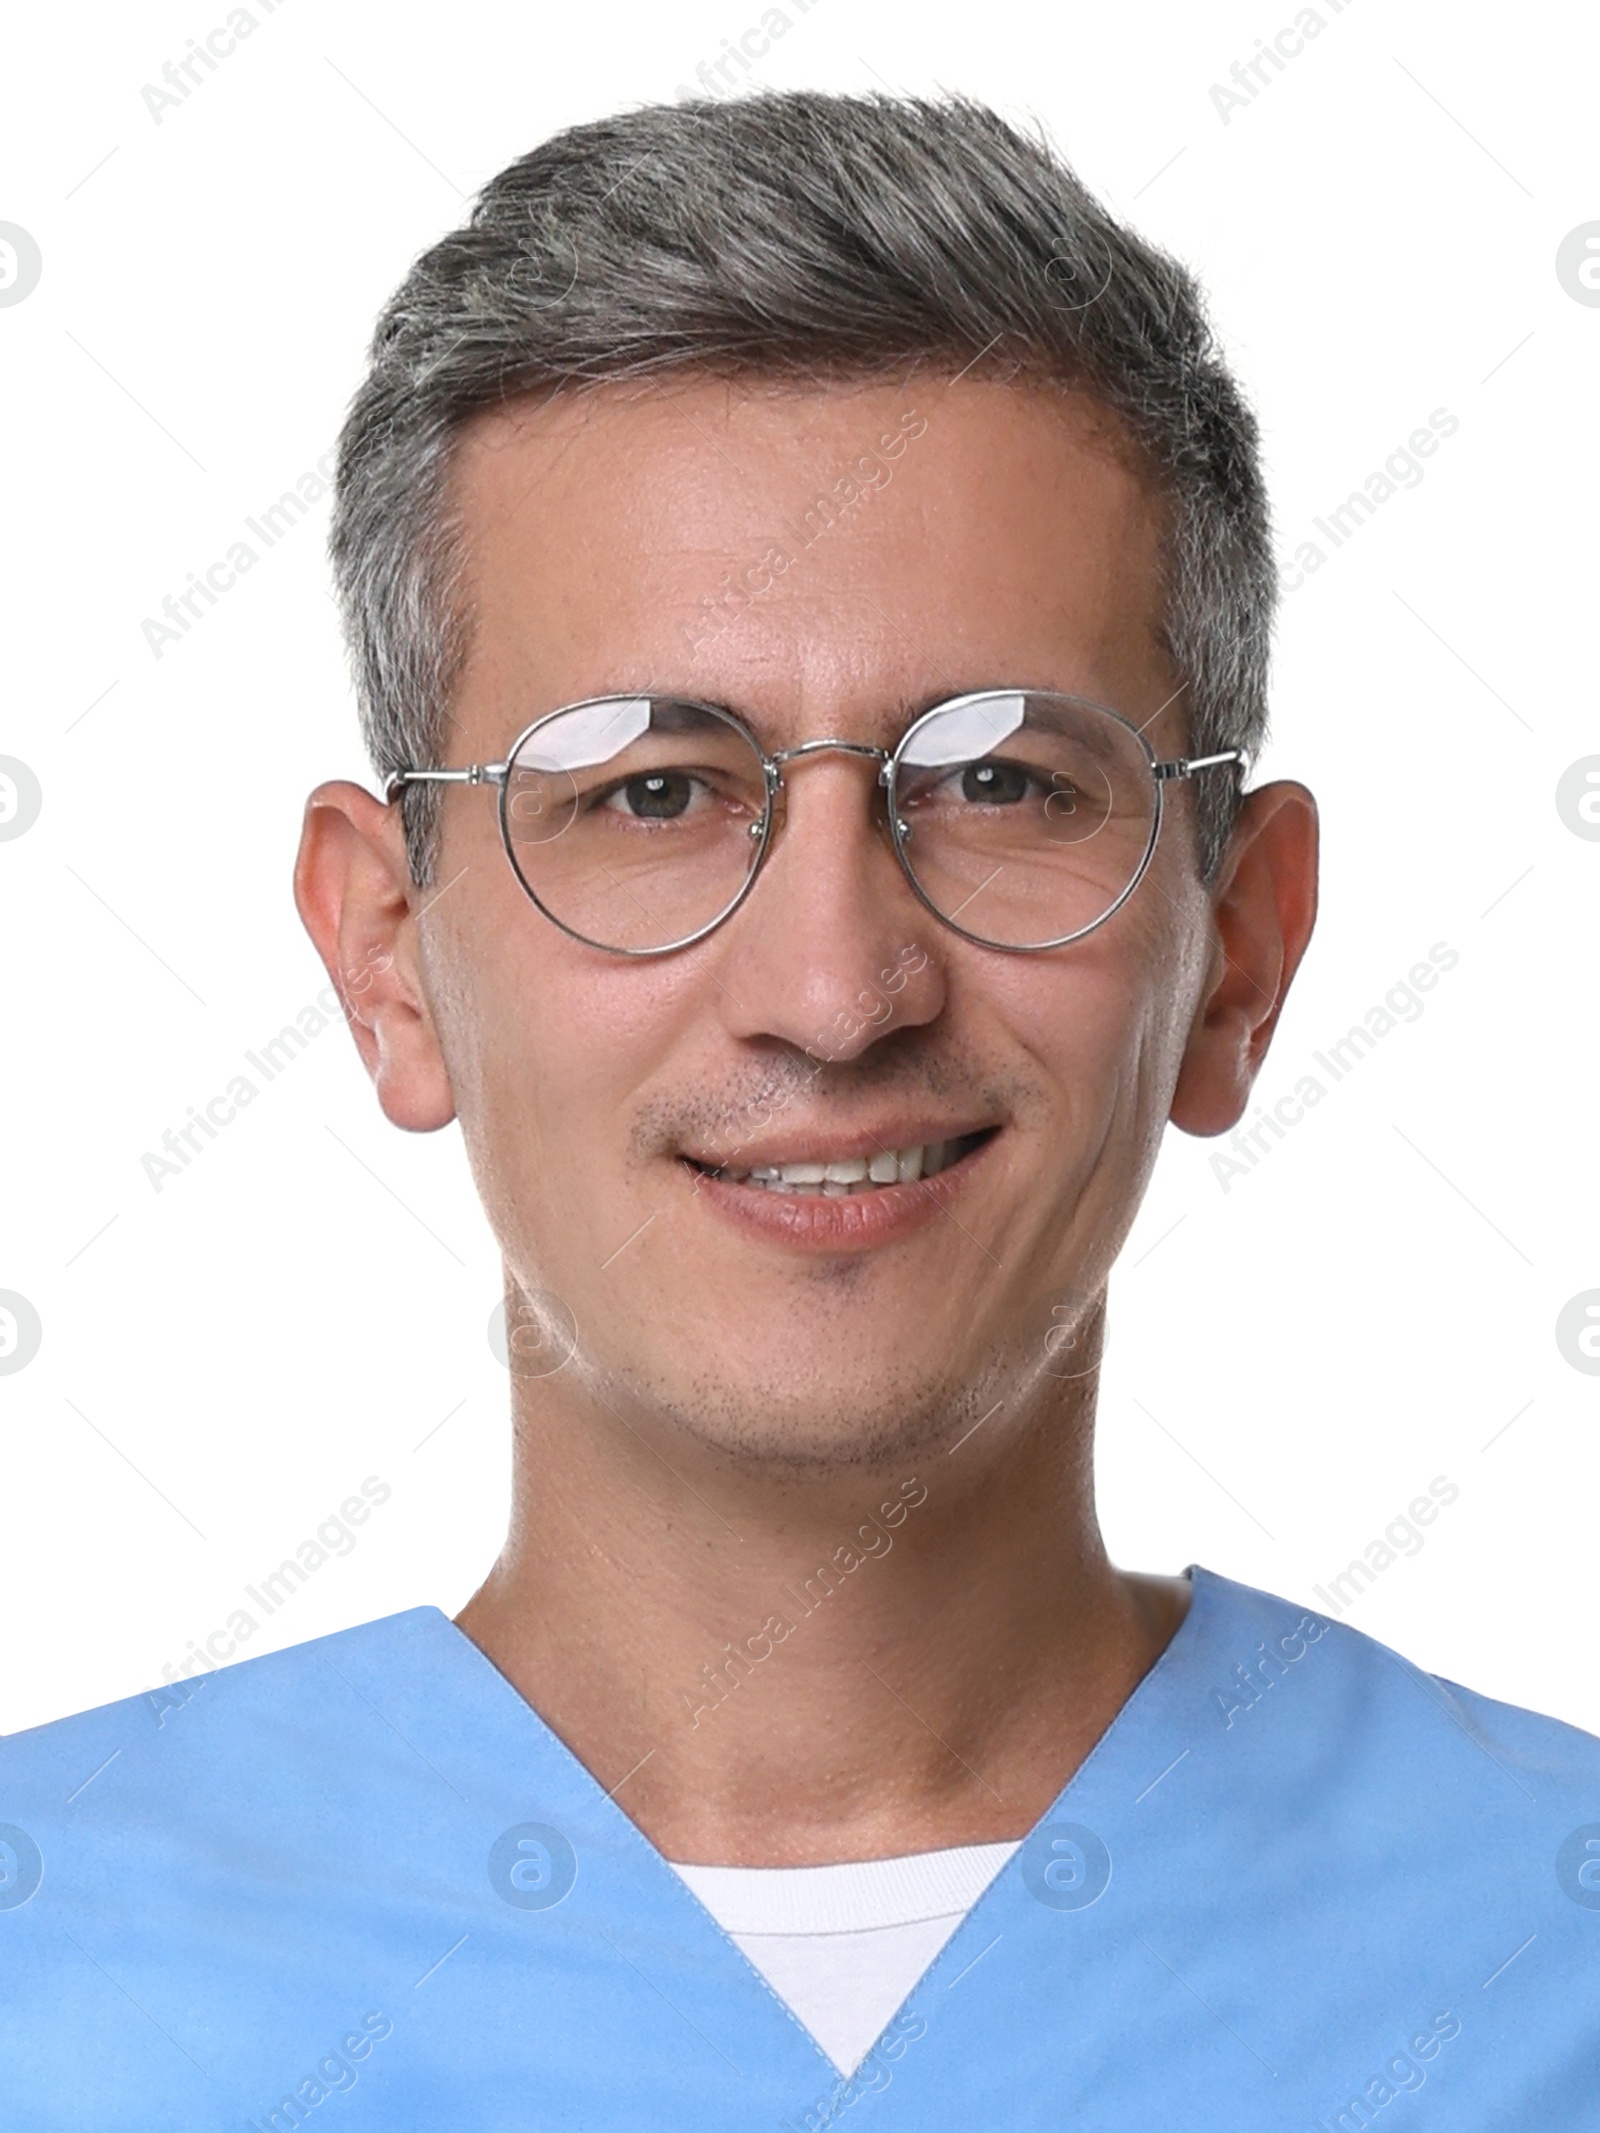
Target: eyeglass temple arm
(1186, 766)
(473, 774)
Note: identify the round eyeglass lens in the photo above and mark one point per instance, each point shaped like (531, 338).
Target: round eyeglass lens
(1024, 817)
(634, 821)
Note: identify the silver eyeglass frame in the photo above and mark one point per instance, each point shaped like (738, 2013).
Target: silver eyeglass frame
(888, 760)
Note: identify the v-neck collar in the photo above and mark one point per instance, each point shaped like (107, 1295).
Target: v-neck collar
(1132, 1738)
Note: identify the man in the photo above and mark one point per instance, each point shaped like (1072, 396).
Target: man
(809, 581)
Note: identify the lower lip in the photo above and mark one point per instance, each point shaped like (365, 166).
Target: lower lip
(860, 1222)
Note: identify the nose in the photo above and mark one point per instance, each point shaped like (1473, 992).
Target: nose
(831, 950)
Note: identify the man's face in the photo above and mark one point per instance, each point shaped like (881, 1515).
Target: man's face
(995, 538)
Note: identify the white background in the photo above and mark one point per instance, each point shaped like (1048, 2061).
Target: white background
(1293, 1359)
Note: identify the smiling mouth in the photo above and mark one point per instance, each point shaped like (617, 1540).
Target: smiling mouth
(838, 1178)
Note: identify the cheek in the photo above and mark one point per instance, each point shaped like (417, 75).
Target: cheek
(1104, 1023)
(549, 1047)
(1088, 1012)
(541, 1092)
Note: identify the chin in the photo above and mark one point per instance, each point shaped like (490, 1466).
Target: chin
(811, 1424)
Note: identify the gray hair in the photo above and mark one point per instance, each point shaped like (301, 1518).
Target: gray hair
(792, 235)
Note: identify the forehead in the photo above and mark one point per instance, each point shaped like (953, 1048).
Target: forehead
(811, 556)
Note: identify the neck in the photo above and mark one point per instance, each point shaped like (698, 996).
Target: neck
(793, 1672)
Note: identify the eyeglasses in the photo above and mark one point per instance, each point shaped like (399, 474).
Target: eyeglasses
(1021, 818)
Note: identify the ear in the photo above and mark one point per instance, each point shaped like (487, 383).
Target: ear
(1263, 907)
(353, 890)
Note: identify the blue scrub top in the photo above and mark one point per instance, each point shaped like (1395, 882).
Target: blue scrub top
(360, 1883)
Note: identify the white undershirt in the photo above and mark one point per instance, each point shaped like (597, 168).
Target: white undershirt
(843, 1945)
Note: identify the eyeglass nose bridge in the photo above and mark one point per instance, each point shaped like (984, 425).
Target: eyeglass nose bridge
(773, 766)
(881, 756)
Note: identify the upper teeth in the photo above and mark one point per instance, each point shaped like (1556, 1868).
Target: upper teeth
(888, 1166)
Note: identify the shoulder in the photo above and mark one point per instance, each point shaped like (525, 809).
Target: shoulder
(1371, 1702)
(161, 1729)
